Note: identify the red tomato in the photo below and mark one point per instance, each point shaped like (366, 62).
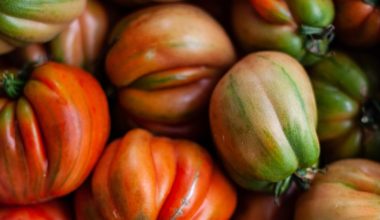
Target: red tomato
(52, 135)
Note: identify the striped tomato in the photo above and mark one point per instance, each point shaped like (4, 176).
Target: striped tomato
(23, 22)
(263, 119)
(300, 28)
(347, 108)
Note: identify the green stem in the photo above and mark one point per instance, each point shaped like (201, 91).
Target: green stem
(317, 39)
(281, 187)
(12, 85)
(372, 2)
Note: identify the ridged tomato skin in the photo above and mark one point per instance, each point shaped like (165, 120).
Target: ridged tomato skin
(165, 66)
(81, 42)
(348, 189)
(263, 119)
(23, 22)
(284, 26)
(52, 135)
(141, 176)
(343, 91)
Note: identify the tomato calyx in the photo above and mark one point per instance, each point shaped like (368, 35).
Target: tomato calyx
(302, 177)
(372, 2)
(12, 82)
(370, 115)
(11, 85)
(317, 39)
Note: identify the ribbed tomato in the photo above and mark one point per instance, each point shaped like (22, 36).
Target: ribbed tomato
(141, 176)
(82, 41)
(263, 119)
(79, 44)
(51, 135)
(349, 189)
(300, 28)
(23, 22)
(165, 60)
(347, 111)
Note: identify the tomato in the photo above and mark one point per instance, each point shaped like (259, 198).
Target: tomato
(24, 22)
(81, 43)
(300, 28)
(51, 135)
(165, 65)
(358, 22)
(348, 189)
(263, 206)
(263, 119)
(141, 176)
(55, 209)
(345, 109)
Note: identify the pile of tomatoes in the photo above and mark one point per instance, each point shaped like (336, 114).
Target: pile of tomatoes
(198, 109)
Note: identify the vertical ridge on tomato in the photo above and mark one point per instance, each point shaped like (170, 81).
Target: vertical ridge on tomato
(263, 120)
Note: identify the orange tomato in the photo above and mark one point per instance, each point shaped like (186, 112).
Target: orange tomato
(141, 176)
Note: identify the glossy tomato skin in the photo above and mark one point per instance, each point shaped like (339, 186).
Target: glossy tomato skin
(142, 176)
(35, 21)
(52, 135)
(358, 22)
(55, 209)
(276, 25)
(343, 93)
(165, 66)
(347, 190)
(81, 43)
(263, 119)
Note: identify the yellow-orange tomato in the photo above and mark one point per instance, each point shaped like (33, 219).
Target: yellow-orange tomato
(141, 176)
(165, 61)
(52, 135)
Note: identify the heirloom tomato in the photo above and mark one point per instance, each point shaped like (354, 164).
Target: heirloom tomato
(82, 41)
(141, 176)
(52, 132)
(347, 109)
(263, 119)
(349, 189)
(79, 44)
(300, 28)
(24, 21)
(165, 60)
